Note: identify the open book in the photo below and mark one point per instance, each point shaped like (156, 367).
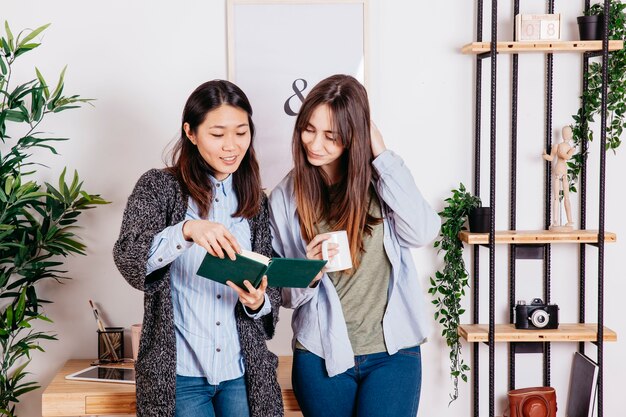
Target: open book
(251, 266)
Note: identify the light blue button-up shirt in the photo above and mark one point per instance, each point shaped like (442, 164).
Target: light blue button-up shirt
(409, 222)
(207, 342)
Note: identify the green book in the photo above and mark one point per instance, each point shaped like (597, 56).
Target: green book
(251, 266)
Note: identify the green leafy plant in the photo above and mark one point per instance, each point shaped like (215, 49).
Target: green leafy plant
(616, 97)
(37, 222)
(448, 285)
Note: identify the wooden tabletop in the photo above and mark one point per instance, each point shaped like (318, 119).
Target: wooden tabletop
(64, 397)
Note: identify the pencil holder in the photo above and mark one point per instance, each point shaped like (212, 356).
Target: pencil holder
(111, 337)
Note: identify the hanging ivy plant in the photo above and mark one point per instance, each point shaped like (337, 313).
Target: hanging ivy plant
(448, 285)
(616, 97)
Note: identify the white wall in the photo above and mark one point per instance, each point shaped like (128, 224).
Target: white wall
(141, 59)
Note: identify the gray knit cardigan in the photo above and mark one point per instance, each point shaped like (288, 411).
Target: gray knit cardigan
(157, 202)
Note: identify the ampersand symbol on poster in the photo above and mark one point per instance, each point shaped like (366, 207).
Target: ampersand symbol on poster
(298, 93)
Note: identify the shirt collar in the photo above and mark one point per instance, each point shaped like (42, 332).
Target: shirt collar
(224, 187)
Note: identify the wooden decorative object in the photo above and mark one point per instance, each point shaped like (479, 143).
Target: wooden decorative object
(560, 154)
(538, 27)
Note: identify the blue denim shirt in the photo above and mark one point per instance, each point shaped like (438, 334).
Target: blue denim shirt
(207, 342)
(409, 222)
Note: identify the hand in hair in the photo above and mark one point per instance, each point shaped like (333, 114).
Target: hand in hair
(214, 237)
(254, 297)
(314, 251)
(376, 138)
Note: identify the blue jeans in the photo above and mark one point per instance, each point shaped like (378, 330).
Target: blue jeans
(379, 385)
(195, 397)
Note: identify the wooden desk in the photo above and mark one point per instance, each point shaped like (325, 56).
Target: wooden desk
(63, 397)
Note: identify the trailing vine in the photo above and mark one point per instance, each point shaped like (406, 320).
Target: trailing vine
(448, 285)
(616, 97)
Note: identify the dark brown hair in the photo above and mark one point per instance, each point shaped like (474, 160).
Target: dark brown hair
(350, 114)
(191, 169)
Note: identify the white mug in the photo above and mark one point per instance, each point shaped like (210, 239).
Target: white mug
(342, 260)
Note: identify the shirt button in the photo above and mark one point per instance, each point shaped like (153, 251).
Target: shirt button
(219, 184)
(218, 350)
(160, 259)
(217, 200)
(178, 247)
(218, 323)
(219, 296)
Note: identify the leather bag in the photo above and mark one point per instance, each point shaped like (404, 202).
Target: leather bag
(532, 402)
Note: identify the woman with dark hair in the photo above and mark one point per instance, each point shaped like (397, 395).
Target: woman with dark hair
(357, 333)
(202, 351)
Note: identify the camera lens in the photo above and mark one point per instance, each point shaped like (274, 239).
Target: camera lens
(539, 318)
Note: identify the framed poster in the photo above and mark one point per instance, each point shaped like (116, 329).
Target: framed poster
(278, 50)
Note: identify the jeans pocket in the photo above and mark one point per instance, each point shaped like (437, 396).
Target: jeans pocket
(414, 351)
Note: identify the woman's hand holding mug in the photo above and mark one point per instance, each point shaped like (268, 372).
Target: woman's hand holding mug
(332, 247)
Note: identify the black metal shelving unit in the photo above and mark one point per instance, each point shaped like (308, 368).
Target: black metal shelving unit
(539, 251)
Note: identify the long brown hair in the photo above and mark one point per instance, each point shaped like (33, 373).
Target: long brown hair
(191, 169)
(350, 116)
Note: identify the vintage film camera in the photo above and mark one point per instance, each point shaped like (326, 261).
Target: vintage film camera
(537, 315)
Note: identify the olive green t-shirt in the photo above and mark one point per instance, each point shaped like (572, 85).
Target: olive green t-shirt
(363, 294)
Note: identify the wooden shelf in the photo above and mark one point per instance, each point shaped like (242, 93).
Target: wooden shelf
(508, 333)
(521, 237)
(541, 46)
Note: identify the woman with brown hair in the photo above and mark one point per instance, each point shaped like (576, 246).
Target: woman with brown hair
(357, 333)
(202, 351)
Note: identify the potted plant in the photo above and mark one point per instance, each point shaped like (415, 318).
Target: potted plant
(448, 285)
(616, 97)
(37, 222)
(479, 219)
